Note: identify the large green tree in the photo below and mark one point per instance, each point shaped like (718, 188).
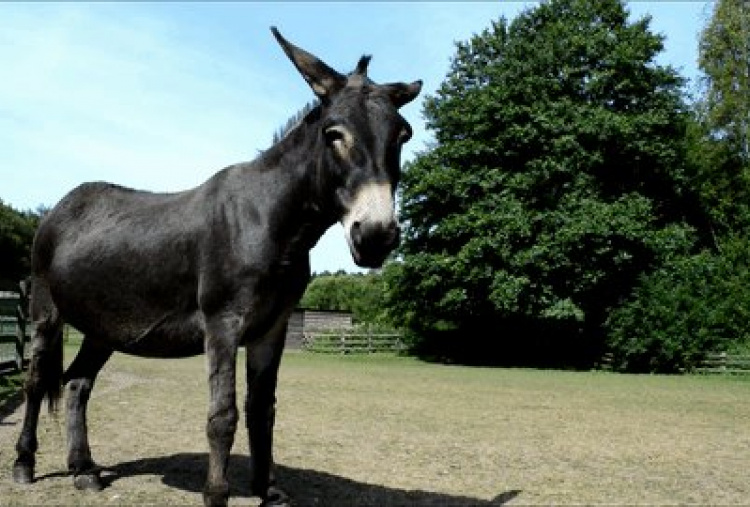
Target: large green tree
(720, 138)
(556, 178)
(724, 58)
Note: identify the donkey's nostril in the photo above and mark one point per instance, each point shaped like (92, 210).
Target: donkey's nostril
(356, 233)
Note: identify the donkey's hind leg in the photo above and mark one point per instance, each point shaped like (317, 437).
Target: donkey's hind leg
(80, 378)
(42, 379)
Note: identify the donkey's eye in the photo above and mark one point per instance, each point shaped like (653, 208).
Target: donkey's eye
(339, 138)
(333, 134)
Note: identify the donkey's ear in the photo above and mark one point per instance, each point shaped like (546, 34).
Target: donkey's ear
(323, 80)
(402, 93)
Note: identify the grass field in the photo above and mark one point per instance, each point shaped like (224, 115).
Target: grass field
(396, 431)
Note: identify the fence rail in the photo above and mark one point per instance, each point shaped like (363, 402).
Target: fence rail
(9, 343)
(351, 342)
(14, 328)
(725, 363)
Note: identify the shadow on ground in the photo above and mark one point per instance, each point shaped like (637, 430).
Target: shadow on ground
(307, 487)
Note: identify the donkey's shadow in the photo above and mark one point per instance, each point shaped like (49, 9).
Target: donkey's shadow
(187, 472)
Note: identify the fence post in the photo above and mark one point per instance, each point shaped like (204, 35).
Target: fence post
(22, 315)
(20, 340)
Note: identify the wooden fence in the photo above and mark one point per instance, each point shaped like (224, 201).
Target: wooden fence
(350, 341)
(11, 347)
(14, 329)
(725, 363)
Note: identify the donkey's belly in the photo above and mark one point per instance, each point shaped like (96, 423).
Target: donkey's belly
(164, 350)
(165, 345)
(173, 335)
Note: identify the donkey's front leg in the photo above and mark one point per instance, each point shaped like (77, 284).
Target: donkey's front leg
(263, 361)
(221, 349)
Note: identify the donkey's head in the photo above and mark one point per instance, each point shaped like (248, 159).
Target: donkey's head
(361, 134)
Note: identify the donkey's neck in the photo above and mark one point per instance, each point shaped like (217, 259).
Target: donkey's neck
(299, 151)
(289, 178)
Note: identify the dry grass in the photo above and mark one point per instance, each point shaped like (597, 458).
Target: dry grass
(394, 431)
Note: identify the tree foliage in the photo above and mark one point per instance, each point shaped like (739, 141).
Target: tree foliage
(718, 141)
(724, 58)
(16, 236)
(697, 304)
(361, 294)
(719, 178)
(556, 179)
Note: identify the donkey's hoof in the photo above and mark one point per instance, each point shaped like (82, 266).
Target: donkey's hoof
(89, 481)
(23, 473)
(276, 498)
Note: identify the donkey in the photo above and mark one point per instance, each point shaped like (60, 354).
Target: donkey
(213, 268)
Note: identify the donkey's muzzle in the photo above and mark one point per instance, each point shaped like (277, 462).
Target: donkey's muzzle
(371, 242)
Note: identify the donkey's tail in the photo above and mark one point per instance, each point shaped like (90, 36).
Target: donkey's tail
(44, 378)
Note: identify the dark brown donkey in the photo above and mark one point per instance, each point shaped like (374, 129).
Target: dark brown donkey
(213, 268)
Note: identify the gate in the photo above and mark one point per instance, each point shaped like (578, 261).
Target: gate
(15, 328)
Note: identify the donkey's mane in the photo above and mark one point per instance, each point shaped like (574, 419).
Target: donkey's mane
(292, 122)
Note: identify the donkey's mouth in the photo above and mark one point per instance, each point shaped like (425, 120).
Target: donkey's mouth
(370, 250)
(369, 261)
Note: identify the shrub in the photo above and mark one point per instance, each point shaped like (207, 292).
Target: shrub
(694, 305)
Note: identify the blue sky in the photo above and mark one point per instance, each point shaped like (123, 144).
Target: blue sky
(159, 96)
